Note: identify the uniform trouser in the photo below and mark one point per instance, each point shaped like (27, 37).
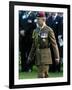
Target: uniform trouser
(43, 71)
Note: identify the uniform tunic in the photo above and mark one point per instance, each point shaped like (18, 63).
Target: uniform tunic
(42, 39)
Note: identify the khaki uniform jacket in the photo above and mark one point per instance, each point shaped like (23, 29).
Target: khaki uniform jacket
(41, 46)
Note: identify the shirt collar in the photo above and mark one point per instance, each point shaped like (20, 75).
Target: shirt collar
(42, 26)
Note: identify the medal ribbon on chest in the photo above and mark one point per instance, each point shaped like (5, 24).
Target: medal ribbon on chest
(44, 35)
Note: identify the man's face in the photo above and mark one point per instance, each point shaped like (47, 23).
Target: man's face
(40, 21)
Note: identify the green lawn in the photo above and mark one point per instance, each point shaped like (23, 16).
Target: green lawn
(33, 75)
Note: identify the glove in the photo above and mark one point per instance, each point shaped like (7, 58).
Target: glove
(22, 32)
(57, 61)
(28, 60)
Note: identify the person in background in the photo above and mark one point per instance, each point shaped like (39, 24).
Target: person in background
(26, 27)
(55, 21)
(59, 19)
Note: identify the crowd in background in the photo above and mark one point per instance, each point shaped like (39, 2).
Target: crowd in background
(27, 23)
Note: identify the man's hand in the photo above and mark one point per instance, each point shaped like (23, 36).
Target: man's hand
(28, 60)
(22, 32)
(57, 61)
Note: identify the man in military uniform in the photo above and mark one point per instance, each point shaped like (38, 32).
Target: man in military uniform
(43, 36)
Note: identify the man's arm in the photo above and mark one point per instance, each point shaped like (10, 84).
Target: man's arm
(54, 45)
(32, 51)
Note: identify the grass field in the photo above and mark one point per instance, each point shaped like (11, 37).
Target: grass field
(33, 74)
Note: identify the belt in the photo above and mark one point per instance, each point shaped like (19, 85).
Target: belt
(44, 47)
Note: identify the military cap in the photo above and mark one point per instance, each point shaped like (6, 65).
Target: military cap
(41, 14)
